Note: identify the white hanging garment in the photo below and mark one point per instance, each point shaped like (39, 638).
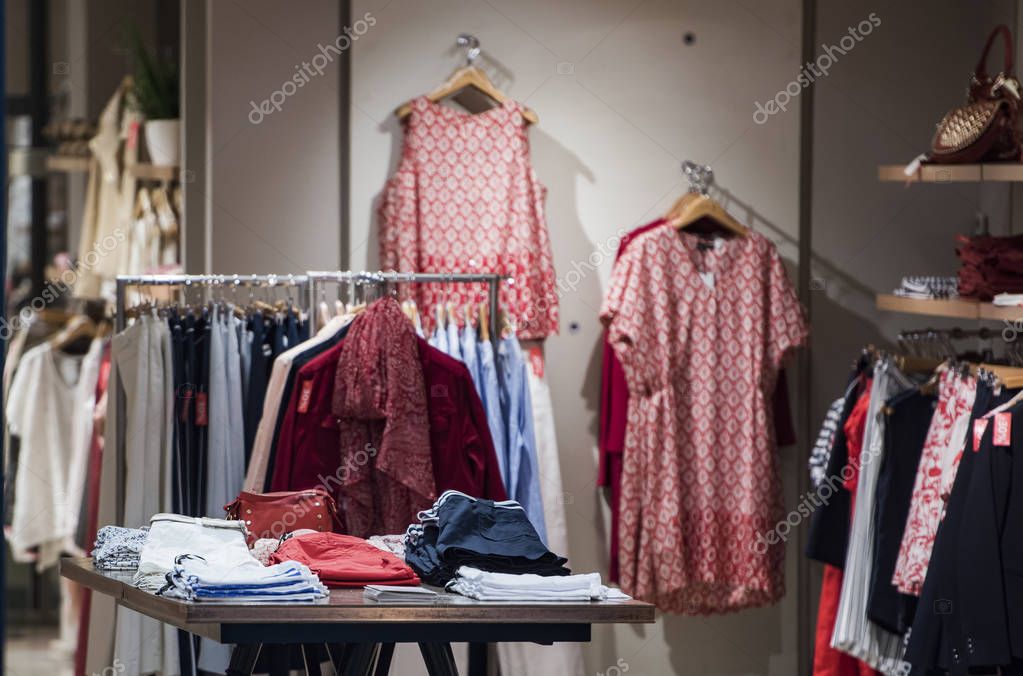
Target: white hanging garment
(524, 659)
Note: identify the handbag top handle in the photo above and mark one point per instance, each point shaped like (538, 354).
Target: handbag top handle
(981, 70)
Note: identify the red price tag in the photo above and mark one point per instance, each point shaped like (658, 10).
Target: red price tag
(536, 361)
(202, 417)
(305, 396)
(1002, 435)
(979, 425)
(133, 134)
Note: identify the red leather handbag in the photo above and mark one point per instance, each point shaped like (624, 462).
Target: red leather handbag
(271, 515)
(986, 128)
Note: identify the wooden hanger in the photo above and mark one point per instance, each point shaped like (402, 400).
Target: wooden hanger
(910, 364)
(438, 312)
(466, 77)
(697, 204)
(324, 313)
(703, 207)
(484, 323)
(77, 327)
(676, 209)
(1008, 376)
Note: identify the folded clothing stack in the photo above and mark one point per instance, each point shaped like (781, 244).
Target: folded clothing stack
(990, 266)
(195, 578)
(171, 536)
(460, 530)
(484, 586)
(118, 548)
(345, 561)
(389, 543)
(1008, 299)
(928, 287)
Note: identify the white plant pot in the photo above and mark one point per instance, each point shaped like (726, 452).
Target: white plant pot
(163, 138)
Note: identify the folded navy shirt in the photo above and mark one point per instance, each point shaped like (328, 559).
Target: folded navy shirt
(461, 530)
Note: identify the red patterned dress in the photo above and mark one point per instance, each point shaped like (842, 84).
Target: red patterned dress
(465, 198)
(944, 440)
(701, 330)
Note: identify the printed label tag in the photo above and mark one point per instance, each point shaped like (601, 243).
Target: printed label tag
(979, 425)
(186, 404)
(201, 409)
(1002, 435)
(305, 396)
(536, 361)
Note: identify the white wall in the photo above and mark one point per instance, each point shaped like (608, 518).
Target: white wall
(273, 198)
(622, 101)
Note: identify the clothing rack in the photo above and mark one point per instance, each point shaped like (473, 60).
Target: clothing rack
(310, 283)
(264, 281)
(359, 279)
(298, 282)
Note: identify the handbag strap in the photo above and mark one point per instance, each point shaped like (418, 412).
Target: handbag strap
(981, 70)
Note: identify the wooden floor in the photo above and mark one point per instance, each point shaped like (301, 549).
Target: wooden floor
(32, 652)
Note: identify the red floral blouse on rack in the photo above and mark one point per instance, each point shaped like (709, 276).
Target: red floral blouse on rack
(465, 198)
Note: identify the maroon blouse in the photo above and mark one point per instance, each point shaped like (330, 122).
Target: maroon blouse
(461, 447)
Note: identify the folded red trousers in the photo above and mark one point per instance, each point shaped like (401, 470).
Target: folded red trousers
(345, 561)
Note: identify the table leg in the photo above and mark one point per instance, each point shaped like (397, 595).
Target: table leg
(279, 660)
(337, 653)
(359, 659)
(478, 659)
(243, 659)
(439, 659)
(309, 661)
(384, 659)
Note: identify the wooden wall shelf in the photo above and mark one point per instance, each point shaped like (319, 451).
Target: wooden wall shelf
(154, 172)
(67, 163)
(955, 309)
(954, 173)
(142, 170)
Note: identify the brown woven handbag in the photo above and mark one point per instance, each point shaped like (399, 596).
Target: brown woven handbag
(986, 128)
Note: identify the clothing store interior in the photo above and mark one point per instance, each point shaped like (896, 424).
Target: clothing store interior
(506, 338)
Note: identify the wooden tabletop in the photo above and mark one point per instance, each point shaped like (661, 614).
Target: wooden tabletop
(349, 606)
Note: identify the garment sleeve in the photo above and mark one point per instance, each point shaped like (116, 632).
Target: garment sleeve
(19, 396)
(479, 445)
(286, 440)
(786, 324)
(624, 306)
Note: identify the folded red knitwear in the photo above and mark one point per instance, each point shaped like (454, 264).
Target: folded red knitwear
(345, 560)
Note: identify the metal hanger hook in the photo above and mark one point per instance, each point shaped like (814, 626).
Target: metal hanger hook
(472, 47)
(700, 176)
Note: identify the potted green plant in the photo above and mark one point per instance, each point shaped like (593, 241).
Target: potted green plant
(157, 96)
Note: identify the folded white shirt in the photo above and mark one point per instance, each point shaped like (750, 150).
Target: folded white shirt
(1008, 299)
(487, 586)
(195, 579)
(218, 541)
(401, 594)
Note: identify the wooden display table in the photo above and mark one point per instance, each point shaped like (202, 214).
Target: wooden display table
(360, 633)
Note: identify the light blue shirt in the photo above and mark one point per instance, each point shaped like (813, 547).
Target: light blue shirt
(491, 397)
(454, 343)
(471, 357)
(439, 339)
(523, 469)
